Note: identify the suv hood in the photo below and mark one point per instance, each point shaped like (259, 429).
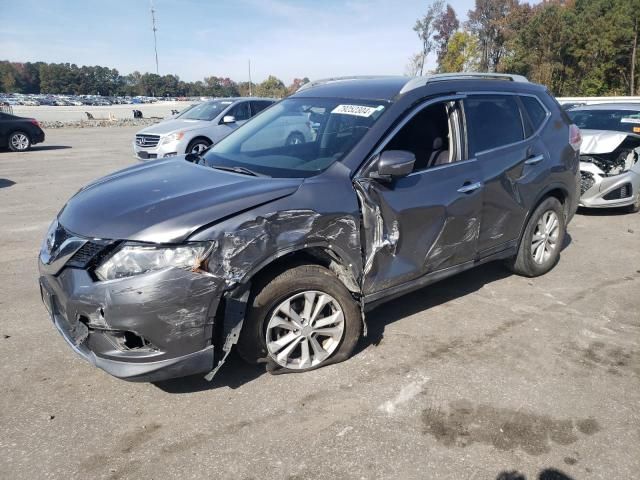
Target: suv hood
(176, 124)
(166, 201)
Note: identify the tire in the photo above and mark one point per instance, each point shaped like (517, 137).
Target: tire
(297, 285)
(295, 138)
(197, 145)
(634, 207)
(531, 261)
(19, 141)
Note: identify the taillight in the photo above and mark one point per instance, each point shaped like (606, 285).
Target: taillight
(34, 121)
(575, 137)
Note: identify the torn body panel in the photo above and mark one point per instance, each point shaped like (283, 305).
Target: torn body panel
(609, 169)
(416, 226)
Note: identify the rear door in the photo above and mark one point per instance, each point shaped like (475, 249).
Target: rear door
(511, 157)
(429, 220)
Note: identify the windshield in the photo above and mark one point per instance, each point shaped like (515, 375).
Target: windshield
(297, 137)
(206, 111)
(616, 120)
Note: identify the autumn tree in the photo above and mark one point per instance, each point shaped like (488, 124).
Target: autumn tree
(462, 54)
(445, 24)
(488, 21)
(271, 87)
(425, 27)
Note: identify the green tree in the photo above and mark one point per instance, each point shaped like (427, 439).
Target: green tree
(462, 54)
(271, 87)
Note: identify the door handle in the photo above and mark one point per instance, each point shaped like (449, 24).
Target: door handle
(469, 187)
(534, 160)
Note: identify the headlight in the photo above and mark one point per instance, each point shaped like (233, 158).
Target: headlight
(174, 137)
(132, 260)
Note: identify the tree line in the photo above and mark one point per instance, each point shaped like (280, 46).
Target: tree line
(574, 47)
(70, 79)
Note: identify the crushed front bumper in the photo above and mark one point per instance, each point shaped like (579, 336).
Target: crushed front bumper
(149, 327)
(600, 191)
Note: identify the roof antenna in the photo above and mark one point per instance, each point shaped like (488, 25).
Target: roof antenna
(155, 40)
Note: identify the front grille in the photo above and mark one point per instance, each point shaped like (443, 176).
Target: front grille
(85, 254)
(586, 181)
(147, 141)
(624, 191)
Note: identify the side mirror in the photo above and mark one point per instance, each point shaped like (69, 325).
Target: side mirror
(228, 119)
(394, 164)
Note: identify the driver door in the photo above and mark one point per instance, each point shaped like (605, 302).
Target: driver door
(429, 220)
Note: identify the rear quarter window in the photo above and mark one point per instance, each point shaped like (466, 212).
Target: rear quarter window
(492, 121)
(537, 113)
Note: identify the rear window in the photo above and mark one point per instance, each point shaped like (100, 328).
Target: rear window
(536, 112)
(492, 121)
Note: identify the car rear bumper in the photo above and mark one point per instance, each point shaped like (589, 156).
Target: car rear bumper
(37, 138)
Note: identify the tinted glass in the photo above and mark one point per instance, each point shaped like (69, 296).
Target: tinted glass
(258, 106)
(297, 137)
(616, 120)
(492, 121)
(536, 112)
(206, 111)
(241, 111)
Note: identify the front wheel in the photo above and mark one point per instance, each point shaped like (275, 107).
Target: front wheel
(302, 319)
(198, 145)
(542, 240)
(19, 142)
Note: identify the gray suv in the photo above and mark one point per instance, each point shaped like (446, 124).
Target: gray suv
(280, 247)
(197, 128)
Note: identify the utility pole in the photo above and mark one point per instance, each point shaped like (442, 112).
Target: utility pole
(155, 40)
(250, 91)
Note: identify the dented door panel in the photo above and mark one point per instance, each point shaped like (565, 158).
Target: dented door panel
(418, 224)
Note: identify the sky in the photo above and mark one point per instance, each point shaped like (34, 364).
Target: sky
(198, 38)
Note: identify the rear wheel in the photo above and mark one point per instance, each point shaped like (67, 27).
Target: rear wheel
(198, 145)
(19, 142)
(542, 240)
(302, 319)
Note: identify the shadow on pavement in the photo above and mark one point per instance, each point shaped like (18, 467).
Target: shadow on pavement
(5, 182)
(38, 148)
(546, 474)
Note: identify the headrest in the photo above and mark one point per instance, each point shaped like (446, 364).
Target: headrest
(437, 143)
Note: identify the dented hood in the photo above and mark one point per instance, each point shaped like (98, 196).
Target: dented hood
(165, 201)
(602, 141)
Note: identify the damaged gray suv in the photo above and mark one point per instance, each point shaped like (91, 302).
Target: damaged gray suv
(279, 248)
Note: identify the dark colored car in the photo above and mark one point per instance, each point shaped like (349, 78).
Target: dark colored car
(19, 133)
(156, 271)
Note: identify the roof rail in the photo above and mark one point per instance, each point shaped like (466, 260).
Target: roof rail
(322, 81)
(437, 77)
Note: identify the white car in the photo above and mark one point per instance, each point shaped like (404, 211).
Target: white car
(197, 128)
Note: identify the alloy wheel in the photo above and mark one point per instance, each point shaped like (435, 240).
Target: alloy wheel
(545, 237)
(198, 148)
(20, 141)
(304, 330)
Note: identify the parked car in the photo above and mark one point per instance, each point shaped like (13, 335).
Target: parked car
(609, 156)
(156, 271)
(196, 129)
(19, 133)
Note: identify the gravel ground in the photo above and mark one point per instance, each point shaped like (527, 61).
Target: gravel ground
(483, 376)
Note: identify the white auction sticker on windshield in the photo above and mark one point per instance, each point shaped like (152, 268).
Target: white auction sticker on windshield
(630, 120)
(357, 110)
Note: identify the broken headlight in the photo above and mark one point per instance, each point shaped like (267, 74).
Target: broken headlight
(133, 259)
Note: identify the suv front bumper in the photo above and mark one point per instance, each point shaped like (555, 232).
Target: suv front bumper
(159, 151)
(148, 327)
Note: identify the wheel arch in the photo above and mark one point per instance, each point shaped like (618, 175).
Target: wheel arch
(556, 190)
(198, 137)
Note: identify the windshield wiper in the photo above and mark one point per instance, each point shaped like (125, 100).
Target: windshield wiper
(243, 170)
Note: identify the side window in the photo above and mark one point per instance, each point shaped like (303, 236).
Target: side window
(536, 112)
(428, 135)
(241, 111)
(492, 121)
(258, 106)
